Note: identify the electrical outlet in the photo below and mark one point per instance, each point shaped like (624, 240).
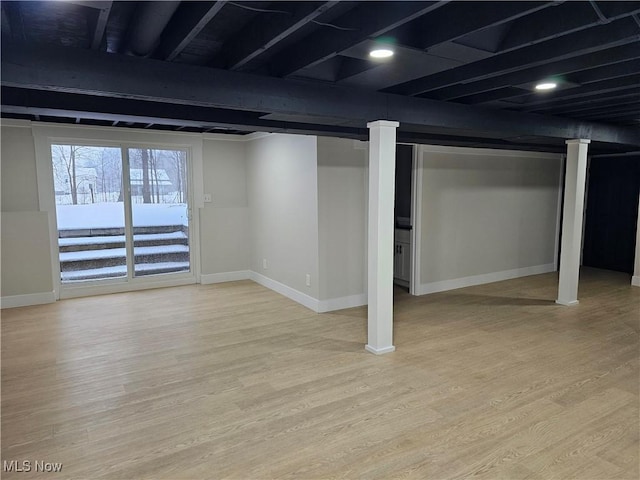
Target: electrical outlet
(264, 263)
(206, 198)
(308, 280)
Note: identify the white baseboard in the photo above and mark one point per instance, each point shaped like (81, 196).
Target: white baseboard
(445, 285)
(318, 306)
(342, 303)
(379, 351)
(209, 278)
(635, 280)
(282, 289)
(27, 300)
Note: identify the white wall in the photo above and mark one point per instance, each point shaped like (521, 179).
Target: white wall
(19, 186)
(26, 257)
(486, 216)
(26, 261)
(282, 190)
(224, 223)
(342, 217)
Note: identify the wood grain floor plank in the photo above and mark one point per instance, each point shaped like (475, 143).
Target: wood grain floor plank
(235, 381)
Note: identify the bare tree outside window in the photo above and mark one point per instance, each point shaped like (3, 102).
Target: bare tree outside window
(67, 160)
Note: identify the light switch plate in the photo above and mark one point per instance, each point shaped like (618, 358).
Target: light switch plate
(206, 198)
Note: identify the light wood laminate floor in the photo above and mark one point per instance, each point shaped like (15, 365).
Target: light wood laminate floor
(235, 381)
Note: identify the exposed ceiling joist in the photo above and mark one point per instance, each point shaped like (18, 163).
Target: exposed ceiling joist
(563, 104)
(147, 26)
(100, 24)
(355, 26)
(599, 80)
(504, 93)
(97, 4)
(562, 20)
(596, 88)
(562, 67)
(609, 100)
(187, 24)
(258, 37)
(97, 73)
(13, 11)
(606, 72)
(628, 107)
(598, 38)
(437, 28)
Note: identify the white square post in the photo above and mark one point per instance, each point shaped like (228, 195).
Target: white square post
(572, 217)
(382, 167)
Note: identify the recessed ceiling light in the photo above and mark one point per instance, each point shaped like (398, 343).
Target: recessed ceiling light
(381, 53)
(546, 86)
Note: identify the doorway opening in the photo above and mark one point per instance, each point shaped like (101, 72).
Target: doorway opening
(612, 213)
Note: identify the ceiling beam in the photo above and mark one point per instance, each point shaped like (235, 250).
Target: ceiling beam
(562, 67)
(177, 121)
(598, 38)
(57, 105)
(120, 76)
(67, 105)
(101, 16)
(187, 23)
(241, 51)
(369, 19)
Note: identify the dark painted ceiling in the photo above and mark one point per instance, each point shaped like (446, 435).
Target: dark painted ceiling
(488, 55)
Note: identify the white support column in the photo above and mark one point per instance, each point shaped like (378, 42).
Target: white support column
(382, 167)
(572, 216)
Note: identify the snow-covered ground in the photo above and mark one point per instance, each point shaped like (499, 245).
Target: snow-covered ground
(111, 215)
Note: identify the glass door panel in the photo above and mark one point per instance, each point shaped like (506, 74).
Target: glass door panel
(159, 211)
(90, 212)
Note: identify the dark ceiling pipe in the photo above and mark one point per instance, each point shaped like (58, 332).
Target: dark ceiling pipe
(147, 26)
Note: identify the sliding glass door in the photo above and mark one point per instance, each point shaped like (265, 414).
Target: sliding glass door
(122, 213)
